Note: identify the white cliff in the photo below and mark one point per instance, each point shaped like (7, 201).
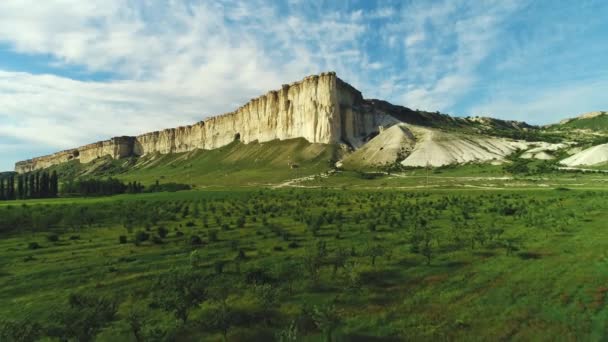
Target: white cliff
(320, 109)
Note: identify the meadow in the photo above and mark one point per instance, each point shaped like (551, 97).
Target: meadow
(307, 264)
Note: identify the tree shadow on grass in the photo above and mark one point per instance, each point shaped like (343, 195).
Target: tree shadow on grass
(485, 254)
(367, 338)
(529, 255)
(382, 278)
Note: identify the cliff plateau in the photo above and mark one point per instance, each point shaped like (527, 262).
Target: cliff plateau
(320, 108)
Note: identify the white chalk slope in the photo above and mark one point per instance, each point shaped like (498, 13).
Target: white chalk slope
(592, 156)
(391, 145)
(418, 146)
(438, 148)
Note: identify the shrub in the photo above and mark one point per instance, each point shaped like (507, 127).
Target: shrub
(196, 240)
(179, 291)
(23, 331)
(84, 317)
(33, 245)
(213, 236)
(75, 237)
(162, 232)
(157, 240)
(122, 239)
(53, 237)
(218, 266)
(141, 236)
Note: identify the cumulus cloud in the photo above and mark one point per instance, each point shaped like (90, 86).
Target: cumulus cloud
(148, 65)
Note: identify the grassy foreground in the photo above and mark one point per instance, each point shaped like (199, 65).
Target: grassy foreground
(308, 264)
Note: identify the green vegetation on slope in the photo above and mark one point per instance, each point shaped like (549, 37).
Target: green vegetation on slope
(596, 123)
(349, 265)
(236, 164)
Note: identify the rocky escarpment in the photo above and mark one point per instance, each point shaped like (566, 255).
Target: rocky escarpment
(320, 108)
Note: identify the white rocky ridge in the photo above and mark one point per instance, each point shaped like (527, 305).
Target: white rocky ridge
(592, 156)
(320, 108)
(438, 148)
(543, 150)
(386, 148)
(418, 146)
(324, 109)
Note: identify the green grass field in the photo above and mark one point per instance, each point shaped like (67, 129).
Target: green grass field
(382, 264)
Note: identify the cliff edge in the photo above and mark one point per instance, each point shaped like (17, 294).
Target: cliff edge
(320, 108)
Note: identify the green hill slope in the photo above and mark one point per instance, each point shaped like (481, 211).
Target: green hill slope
(236, 164)
(596, 121)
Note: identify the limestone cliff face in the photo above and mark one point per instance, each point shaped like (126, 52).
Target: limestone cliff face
(320, 108)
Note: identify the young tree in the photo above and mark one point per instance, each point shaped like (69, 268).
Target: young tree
(10, 192)
(37, 185)
(375, 251)
(327, 319)
(54, 185)
(20, 188)
(179, 291)
(267, 297)
(20, 331)
(2, 190)
(84, 317)
(44, 185)
(221, 318)
(31, 186)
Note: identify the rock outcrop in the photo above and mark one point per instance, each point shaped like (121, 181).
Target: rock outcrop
(321, 109)
(595, 155)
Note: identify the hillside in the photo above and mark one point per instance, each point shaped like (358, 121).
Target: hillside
(321, 109)
(307, 123)
(236, 164)
(595, 121)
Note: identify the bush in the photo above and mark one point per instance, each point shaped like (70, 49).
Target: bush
(53, 237)
(75, 237)
(157, 240)
(33, 245)
(196, 240)
(22, 331)
(218, 266)
(162, 232)
(122, 239)
(213, 236)
(141, 236)
(83, 318)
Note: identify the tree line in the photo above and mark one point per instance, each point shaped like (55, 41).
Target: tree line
(101, 187)
(30, 185)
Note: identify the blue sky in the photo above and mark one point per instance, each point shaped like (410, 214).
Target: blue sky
(73, 72)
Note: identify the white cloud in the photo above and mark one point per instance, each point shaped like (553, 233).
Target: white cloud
(414, 38)
(176, 62)
(445, 47)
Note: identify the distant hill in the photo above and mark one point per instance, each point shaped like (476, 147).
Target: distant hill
(595, 121)
(269, 137)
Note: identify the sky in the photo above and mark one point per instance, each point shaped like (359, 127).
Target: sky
(74, 72)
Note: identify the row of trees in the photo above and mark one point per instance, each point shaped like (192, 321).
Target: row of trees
(101, 187)
(31, 185)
